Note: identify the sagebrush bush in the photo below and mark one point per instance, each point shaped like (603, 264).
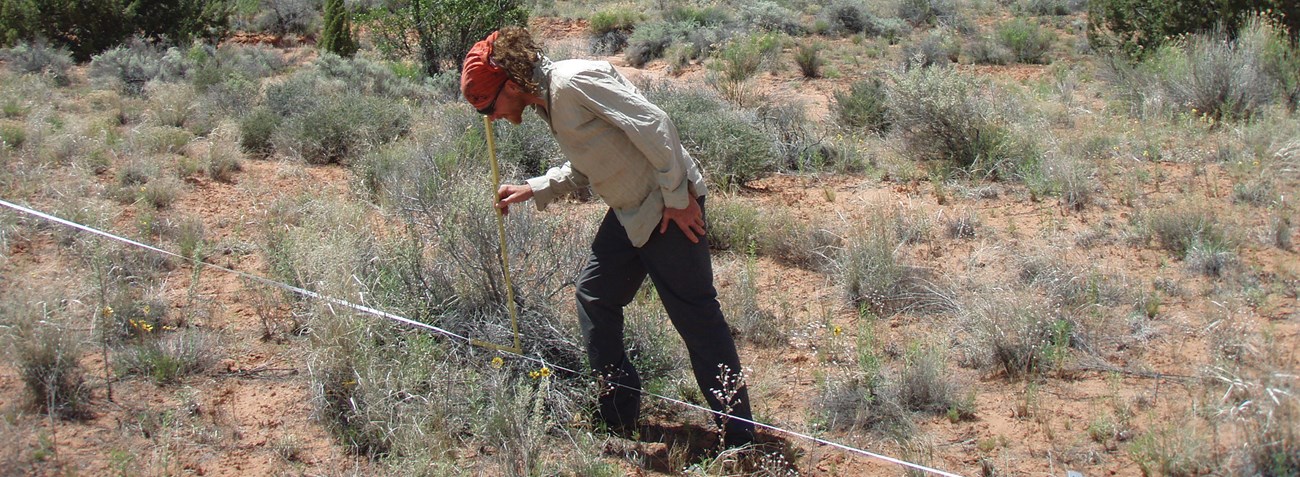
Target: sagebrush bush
(864, 106)
(1214, 76)
(944, 114)
(530, 145)
(340, 127)
(927, 12)
(170, 104)
(1177, 230)
(924, 383)
(771, 16)
(938, 47)
(730, 142)
(1016, 333)
(649, 41)
(39, 58)
(131, 66)
(848, 404)
(988, 51)
(256, 130)
(1027, 41)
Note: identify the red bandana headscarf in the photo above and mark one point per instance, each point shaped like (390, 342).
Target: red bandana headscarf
(480, 80)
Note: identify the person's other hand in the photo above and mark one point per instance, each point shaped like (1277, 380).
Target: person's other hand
(690, 220)
(511, 194)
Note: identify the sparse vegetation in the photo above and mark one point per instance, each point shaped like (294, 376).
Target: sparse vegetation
(885, 236)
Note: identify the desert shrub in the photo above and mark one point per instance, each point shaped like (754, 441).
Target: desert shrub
(222, 157)
(771, 16)
(1211, 75)
(1173, 449)
(12, 135)
(46, 356)
(440, 32)
(733, 225)
(168, 356)
(1070, 179)
(649, 41)
(1027, 41)
(927, 12)
(616, 19)
(256, 130)
(729, 141)
(336, 37)
(847, 404)
(925, 385)
(1016, 333)
(1178, 230)
(288, 17)
(939, 47)
(798, 146)
(170, 104)
(39, 58)
(986, 50)
(874, 277)
(739, 60)
(1138, 27)
(340, 127)
(1048, 7)
(746, 316)
(130, 67)
(943, 115)
(809, 59)
(864, 106)
(529, 145)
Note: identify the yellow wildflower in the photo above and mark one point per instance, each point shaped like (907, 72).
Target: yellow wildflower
(534, 374)
(837, 330)
(545, 372)
(497, 362)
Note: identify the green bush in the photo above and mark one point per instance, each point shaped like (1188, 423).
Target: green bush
(1026, 40)
(89, 27)
(809, 59)
(944, 116)
(340, 127)
(864, 106)
(987, 51)
(337, 36)
(1139, 27)
(12, 135)
(729, 141)
(441, 32)
(650, 39)
(1179, 230)
(47, 359)
(875, 278)
(939, 47)
(621, 19)
(166, 357)
(256, 130)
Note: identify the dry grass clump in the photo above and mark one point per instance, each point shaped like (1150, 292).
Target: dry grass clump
(1015, 333)
(167, 355)
(741, 306)
(870, 269)
(46, 352)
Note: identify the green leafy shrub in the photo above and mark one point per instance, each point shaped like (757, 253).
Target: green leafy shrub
(864, 106)
(1026, 40)
(441, 32)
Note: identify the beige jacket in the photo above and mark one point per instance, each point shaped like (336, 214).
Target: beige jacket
(616, 141)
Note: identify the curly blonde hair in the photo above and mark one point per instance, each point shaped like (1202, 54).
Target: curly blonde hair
(517, 53)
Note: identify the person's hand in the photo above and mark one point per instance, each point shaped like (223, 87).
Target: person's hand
(511, 194)
(690, 220)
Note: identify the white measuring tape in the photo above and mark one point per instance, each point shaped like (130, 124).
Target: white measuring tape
(408, 321)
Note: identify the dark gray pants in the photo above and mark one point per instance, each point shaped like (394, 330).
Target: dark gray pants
(682, 273)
